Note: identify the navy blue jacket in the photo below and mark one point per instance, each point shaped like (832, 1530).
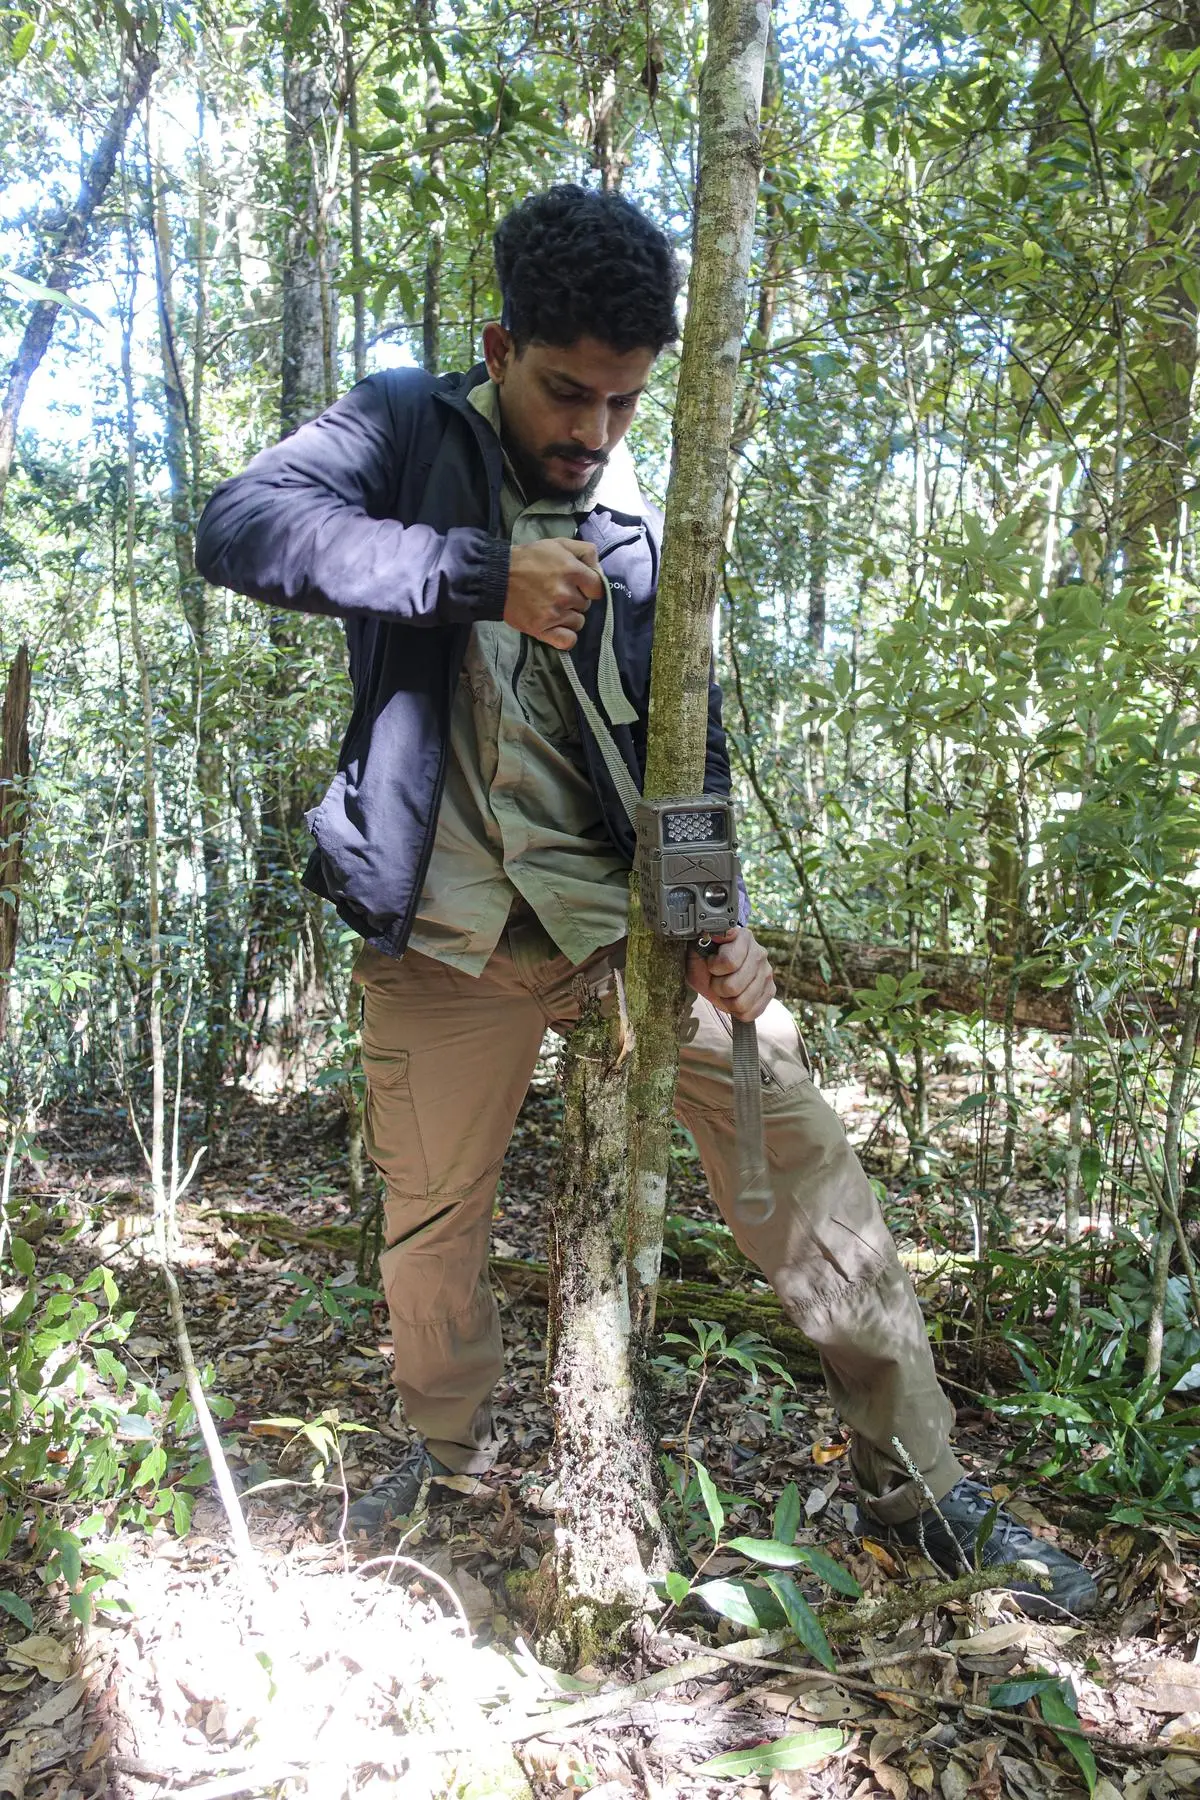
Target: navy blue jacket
(384, 512)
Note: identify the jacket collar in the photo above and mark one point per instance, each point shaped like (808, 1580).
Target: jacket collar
(617, 493)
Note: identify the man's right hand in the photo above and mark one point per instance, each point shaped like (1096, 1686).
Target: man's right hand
(550, 587)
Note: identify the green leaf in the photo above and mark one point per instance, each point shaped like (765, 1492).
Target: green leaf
(152, 1468)
(791, 1556)
(802, 1750)
(20, 1609)
(1016, 1693)
(33, 290)
(69, 1559)
(712, 1503)
(742, 1602)
(22, 40)
(1062, 1717)
(181, 1513)
(802, 1619)
(787, 1515)
(831, 1573)
(111, 1367)
(677, 1585)
(766, 1550)
(23, 1258)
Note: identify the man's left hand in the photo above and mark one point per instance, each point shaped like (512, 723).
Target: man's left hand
(738, 978)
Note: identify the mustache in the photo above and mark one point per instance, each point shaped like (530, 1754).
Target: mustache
(573, 453)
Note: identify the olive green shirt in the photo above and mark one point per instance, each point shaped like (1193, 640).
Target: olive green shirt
(518, 814)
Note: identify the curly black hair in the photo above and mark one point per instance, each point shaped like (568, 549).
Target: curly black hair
(574, 262)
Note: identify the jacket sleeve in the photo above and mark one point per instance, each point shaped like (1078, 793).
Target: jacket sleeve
(716, 751)
(306, 527)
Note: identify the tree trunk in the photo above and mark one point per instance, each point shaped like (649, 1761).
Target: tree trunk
(14, 772)
(182, 444)
(356, 230)
(302, 366)
(302, 394)
(1161, 474)
(68, 255)
(960, 983)
(164, 1218)
(607, 1525)
(431, 299)
(605, 1453)
(730, 94)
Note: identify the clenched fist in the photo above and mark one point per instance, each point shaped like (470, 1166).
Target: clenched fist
(738, 978)
(550, 587)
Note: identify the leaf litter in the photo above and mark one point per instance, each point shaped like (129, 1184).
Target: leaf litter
(364, 1674)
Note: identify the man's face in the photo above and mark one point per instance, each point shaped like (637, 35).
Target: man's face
(563, 410)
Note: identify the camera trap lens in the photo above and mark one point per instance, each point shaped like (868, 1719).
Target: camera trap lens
(716, 894)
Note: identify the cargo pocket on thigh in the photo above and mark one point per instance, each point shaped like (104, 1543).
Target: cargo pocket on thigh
(391, 1134)
(783, 1060)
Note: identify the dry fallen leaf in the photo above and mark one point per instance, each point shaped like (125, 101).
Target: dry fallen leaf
(461, 1484)
(1169, 1686)
(476, 1598)
(954, 1781)
(886, 1561)
(1011, 1636)
(827, 1453)
(43, 1653)
(15, 1770)
(57, 1706)
(98, 1747)
(920, 1772)
(809, 1700)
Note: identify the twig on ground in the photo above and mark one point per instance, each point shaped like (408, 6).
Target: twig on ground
(817, 1673)
(912, 1602)
(915, 1601)
(247, 1558)
(910, 1464)
(394, 1561)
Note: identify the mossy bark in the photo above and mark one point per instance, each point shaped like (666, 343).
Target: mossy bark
(727, 192)
(608, 1534)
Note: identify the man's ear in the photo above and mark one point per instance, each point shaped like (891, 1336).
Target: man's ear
(498, 351)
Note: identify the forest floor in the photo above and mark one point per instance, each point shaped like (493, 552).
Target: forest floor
(352, 1667)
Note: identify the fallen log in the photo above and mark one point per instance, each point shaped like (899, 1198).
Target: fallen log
(737, 1308)
(959, 983)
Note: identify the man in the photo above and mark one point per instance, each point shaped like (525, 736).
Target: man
(459, 527)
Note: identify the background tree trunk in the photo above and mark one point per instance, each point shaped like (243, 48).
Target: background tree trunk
(303, 391)
(68, 255)
(182, 446)
(14, 772)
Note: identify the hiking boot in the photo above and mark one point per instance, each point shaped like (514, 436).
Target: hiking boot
(395, 1494)
(1064, 1586)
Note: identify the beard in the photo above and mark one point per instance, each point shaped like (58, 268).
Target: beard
(533, 471)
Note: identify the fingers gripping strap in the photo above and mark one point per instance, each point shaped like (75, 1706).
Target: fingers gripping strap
(755, 1201)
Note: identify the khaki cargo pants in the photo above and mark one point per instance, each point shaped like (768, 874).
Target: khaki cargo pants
(448, 1058)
